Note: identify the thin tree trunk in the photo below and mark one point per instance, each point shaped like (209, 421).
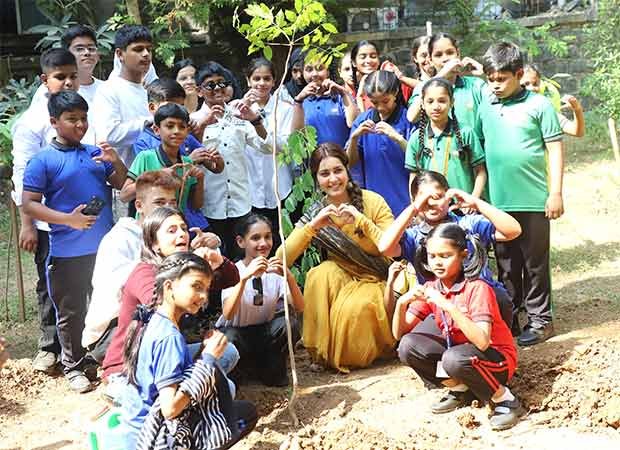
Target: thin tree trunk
(133, 8)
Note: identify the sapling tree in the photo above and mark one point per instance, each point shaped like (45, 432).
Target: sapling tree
(306, 26)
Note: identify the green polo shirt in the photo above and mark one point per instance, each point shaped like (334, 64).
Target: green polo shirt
(515, 131)
(469, 92)
(157, 159)
(459, 171)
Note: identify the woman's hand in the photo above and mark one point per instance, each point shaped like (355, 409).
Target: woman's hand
(463, 201)
(450, 68)
(348, 213)
(323, 218)
(424, 194)
(215, 343)
(256, 268)
(395, 268)
(367, 126)
(243, 111)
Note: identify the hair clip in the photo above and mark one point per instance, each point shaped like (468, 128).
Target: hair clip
(143, 314)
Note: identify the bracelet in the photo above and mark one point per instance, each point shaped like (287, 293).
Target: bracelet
(257, 121)
(299, 102)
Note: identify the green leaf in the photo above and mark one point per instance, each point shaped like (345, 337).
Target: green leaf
(290, 15)
(298, 6)
(307, 181)
(290, 203)
(330, 28)
(287, 224)
(267, 52)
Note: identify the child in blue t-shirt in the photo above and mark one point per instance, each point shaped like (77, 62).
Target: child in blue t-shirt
(379, 138)
(324, 105)
(73, 178)
(170, 399)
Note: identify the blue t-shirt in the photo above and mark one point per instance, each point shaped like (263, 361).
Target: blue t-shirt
(162, 358)
(383, 160)
(148, 140)
(472, 224)
(68, 177)
(327, 115)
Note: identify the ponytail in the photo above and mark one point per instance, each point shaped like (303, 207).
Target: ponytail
(422, 148)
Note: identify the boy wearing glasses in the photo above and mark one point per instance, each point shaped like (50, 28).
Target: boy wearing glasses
(121, 106)
(232, 128)
(81, 41)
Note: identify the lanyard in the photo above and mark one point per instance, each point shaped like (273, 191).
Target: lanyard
(446, 158)
(445, 328)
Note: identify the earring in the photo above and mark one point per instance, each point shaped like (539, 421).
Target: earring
(349, 184)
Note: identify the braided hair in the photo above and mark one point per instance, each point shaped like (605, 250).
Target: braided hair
(472, 265)
(171, 268)
(331, 150)
(463, 150)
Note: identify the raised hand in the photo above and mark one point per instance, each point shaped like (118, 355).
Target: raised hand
(463, 201)
(367, 126)
(256, 268)
(202, 239)
(275, 266)
(323, 218)
(108, 153)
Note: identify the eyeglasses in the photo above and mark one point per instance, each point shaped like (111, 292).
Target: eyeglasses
(257, 285)
(80, 50)
(212, 85)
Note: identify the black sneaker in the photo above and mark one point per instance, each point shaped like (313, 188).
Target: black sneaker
(506, 414)
(533, 335)
(451, 401)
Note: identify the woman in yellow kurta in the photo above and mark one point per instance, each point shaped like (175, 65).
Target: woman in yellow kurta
(345, 321)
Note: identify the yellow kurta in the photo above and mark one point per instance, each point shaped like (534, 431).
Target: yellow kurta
(345, 322)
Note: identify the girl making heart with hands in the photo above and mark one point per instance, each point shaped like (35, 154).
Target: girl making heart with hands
(253, 310)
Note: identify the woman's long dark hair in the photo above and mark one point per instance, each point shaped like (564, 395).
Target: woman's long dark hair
(327, 150)
(464, 150)
(472, 265)
(171, 268)
(150, 227)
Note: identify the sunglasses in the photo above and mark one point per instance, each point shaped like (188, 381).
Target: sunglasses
(212, 85)
(257, 285)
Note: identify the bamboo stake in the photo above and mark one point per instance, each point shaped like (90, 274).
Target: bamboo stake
(8, 268)
(611, 123)
(18, 261)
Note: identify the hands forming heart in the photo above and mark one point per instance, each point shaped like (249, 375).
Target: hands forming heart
(345, 214)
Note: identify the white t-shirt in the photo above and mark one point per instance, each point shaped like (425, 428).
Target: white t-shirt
(227, 194)
(120, 111)
(260, 165)
(248, 313)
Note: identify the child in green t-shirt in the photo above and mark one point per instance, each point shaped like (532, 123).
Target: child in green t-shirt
(440, 144)
(525, 162)
(171, 124)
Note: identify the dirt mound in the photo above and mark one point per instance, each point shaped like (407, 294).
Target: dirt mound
(21, 382)
(578, 386)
